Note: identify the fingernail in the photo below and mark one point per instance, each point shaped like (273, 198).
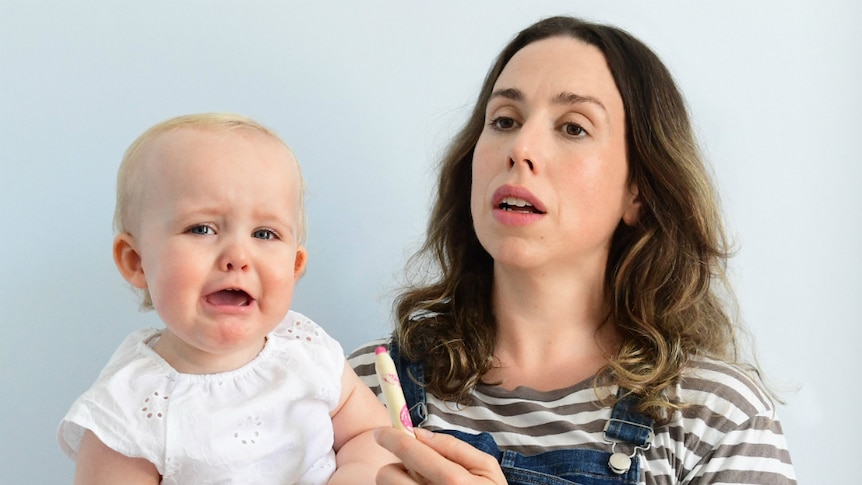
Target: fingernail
(422, 433)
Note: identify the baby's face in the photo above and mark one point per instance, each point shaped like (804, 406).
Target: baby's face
(217, 237)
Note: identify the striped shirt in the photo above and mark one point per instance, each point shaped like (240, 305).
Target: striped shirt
(728, 433)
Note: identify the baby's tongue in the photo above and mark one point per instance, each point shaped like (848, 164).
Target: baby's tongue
(229, 297)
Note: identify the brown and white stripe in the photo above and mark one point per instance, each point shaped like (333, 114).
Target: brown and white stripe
(728, 433)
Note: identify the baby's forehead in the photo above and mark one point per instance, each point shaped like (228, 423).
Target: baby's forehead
(172, 145)
(192, 134)
(174, 158)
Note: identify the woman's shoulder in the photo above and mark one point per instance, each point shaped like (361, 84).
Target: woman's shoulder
(731, 390)
(364, 354)
(362, 361)
(727, 429)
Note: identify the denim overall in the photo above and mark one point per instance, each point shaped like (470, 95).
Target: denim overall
(558, 467)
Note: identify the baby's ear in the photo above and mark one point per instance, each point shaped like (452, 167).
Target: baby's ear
(299, 263)
(128, 260)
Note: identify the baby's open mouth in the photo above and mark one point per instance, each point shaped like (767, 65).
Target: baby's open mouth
(229, 297)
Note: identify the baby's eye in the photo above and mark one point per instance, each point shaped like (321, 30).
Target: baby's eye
(573, 129)
(202, 230)
(265, 234)
(502, 123)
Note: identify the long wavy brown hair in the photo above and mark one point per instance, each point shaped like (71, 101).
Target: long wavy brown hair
(666, 284)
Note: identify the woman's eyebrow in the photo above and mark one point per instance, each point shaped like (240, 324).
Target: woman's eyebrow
(572, 98)
(513, 94)
(564, 97)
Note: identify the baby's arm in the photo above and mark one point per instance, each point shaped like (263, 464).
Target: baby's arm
(358, 457)
(97, 464)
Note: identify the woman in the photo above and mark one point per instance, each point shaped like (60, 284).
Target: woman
(574, 329)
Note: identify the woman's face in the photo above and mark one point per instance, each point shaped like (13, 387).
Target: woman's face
(550, 175)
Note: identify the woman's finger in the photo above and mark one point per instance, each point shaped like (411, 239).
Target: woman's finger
(476, 462)
(437, 459)
(407, 448)
(396, 474)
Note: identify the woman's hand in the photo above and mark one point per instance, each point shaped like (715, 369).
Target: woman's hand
(435, 459)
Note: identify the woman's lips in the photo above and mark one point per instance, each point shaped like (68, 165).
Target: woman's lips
(510, 197)
(516, 206)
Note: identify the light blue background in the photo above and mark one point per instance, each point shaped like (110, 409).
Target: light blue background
(367, 93)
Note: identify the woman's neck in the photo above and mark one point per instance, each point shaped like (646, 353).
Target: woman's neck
(552, 329)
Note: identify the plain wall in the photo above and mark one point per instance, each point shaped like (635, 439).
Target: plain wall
(367, 94)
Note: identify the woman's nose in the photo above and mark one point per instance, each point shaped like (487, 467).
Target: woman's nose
(527, 148)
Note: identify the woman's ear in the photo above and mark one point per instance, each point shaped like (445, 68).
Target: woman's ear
(632, 212)
(299, 263)
(128, 260)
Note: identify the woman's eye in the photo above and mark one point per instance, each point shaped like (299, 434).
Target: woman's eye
(572, 129)
(202, 230)
(265, 234)
(502, 123)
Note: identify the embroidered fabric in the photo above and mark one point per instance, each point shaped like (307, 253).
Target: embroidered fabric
(266, 422)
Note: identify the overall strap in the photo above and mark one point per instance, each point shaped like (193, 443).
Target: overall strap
(628, 425)
(412, 377)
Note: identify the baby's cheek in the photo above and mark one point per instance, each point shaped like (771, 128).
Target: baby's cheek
(168, 289)
(281, 282)
(277, 298)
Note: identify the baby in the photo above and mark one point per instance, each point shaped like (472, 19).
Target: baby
(237, 388)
